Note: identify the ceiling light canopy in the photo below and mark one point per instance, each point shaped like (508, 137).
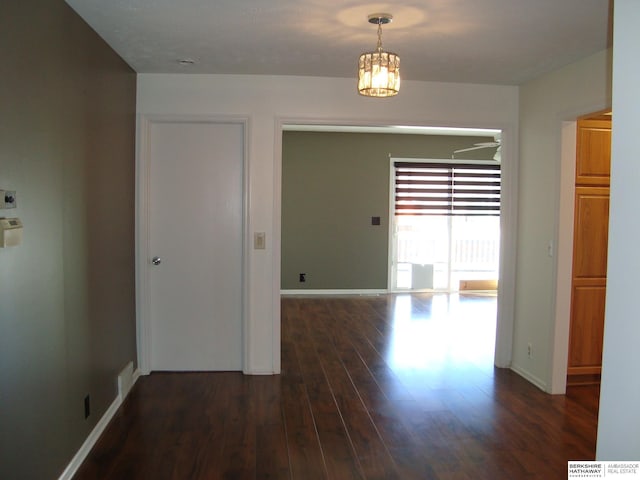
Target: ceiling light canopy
(379, 71)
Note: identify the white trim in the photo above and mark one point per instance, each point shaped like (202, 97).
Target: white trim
(277, 247)
(91, 440)
(93, 437)
(142, 242)
(505, 324)
(260, 373)
(125, 380)
(247, 235)
(529, 377)
(564, 259)
(391, 249)
(345, 291)
(143, 176)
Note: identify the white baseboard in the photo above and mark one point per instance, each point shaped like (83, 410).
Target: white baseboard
(125, 380)
(93, 437)
(530, 377)
(335, 292)
(137, 373)
(259, 372)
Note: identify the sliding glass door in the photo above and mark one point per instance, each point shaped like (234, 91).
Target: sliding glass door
(445, 226)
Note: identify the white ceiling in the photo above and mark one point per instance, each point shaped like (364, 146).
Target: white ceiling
(472, 41)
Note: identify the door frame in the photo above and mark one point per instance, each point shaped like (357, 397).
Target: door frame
(143, 254)
(508, 219)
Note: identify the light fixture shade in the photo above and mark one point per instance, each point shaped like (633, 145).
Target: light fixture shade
(379, 74)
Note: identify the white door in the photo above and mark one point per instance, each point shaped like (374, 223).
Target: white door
(196, 238)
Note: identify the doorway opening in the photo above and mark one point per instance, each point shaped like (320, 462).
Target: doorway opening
(303, 250)
(565, 285)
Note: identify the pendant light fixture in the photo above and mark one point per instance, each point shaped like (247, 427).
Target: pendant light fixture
(379, 71)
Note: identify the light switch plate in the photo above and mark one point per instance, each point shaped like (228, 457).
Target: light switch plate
(259, 241)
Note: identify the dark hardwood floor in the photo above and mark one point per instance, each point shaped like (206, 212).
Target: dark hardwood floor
(385, 387)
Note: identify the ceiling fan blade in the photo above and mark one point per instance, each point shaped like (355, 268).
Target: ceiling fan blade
(473, 148)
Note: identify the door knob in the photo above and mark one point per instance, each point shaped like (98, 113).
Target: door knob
(156, 260)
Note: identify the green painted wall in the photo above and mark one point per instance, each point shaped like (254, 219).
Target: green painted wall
(332, 184)
(67, 294)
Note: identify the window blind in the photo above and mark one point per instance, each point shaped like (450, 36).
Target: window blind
(447, 189)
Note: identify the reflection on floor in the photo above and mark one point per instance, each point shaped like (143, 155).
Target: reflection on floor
(441, 341)
(441, 331)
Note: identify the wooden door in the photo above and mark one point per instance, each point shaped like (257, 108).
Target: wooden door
(591, 227)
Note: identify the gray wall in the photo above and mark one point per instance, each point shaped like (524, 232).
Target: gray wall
(332, 184)
(67, 305)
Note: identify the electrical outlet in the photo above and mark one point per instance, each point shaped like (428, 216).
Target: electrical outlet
(302, 277)
(529, 350)
(87, 406)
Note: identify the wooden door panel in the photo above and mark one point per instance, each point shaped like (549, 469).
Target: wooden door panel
(587, 328)
(593, 152)
(591, 232)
